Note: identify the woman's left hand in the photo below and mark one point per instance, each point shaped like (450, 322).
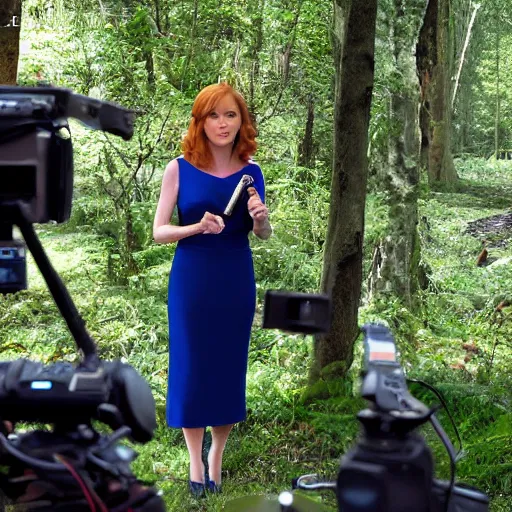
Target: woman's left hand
(257, 210)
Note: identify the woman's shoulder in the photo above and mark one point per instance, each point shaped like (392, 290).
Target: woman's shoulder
(255, 170)
(173, 165)
(172, 171)
(252, 165)
(178, 162)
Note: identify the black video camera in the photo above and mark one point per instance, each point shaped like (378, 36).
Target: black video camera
(36, 160)
(72, 467)
(390, 469)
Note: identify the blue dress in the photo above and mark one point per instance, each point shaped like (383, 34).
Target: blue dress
(211, 303)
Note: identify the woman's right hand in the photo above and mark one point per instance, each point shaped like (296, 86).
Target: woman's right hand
(211, 224)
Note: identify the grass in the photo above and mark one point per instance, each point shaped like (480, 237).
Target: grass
(284, 436)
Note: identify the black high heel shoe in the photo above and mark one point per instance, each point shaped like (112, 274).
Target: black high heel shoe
(197, 489)
(213, 487)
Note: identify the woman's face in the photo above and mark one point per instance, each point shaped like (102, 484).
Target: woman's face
(223, 123)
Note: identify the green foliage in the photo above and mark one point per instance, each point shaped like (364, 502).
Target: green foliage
(298, 199)
(293, 429)
(155, 62)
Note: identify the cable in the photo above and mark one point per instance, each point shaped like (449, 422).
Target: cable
(444, 438)
(443, 402)
(80, 482)
(451, 452)
(27, 459)
(90, 494)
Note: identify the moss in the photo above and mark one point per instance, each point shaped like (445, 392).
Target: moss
(334, 370)
(325, 388)
(318, 390)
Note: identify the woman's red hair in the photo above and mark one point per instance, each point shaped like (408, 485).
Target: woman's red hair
(195, 144)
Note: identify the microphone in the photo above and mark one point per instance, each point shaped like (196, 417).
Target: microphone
(242, 184)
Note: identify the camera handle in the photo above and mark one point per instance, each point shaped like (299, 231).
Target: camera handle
(17, 211)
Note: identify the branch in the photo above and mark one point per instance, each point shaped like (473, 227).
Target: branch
(142, 157)
(287, 54)
(116, 198)
(118, 151)
(466, 43)
(263, 347)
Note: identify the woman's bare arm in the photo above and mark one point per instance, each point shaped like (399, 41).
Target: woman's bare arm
(259, 213)
(163, 232)
(262, 228)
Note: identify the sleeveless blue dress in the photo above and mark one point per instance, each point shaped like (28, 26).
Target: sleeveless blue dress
(211, 303)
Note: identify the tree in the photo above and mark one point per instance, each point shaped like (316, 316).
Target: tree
(395, 267)
(468, 41)
(498, 99)
(354, 45)
(10, 20)
(435, 65)
(464, 47)
(483, 63)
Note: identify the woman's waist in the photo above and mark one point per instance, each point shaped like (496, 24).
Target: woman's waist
(222, 241)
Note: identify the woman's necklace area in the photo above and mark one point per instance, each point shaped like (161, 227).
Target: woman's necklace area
(233, 169)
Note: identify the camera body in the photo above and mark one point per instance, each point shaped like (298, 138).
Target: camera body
(113, 393)
(36, 161)
(37, 166)
(13, 268)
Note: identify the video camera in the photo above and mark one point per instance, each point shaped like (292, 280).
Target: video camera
(390, 469)
(36, 161)
(72, 467)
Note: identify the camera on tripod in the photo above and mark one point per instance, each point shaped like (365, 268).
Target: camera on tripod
(390, 469)
(72, 467)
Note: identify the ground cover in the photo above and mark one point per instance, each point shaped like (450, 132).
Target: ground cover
(456, 341)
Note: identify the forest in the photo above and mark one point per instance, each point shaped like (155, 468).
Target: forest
(385, 139)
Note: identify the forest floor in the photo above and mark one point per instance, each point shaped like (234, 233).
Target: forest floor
(496, 230)
(454, 340)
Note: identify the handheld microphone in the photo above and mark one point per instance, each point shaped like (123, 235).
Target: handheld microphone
(242, 184)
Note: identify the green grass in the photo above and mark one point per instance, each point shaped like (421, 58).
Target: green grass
(284, 435)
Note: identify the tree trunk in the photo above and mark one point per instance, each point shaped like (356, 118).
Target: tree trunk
(441, 167)
(426, 59)
(10, 21)
(395, 268)
(306, 150)
(255, 50)
(191, 44)
(435, 63)
(497, 112)
(130, 243)
(354, 44)
(150, 69)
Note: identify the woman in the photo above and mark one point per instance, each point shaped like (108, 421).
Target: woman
(212, 294)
